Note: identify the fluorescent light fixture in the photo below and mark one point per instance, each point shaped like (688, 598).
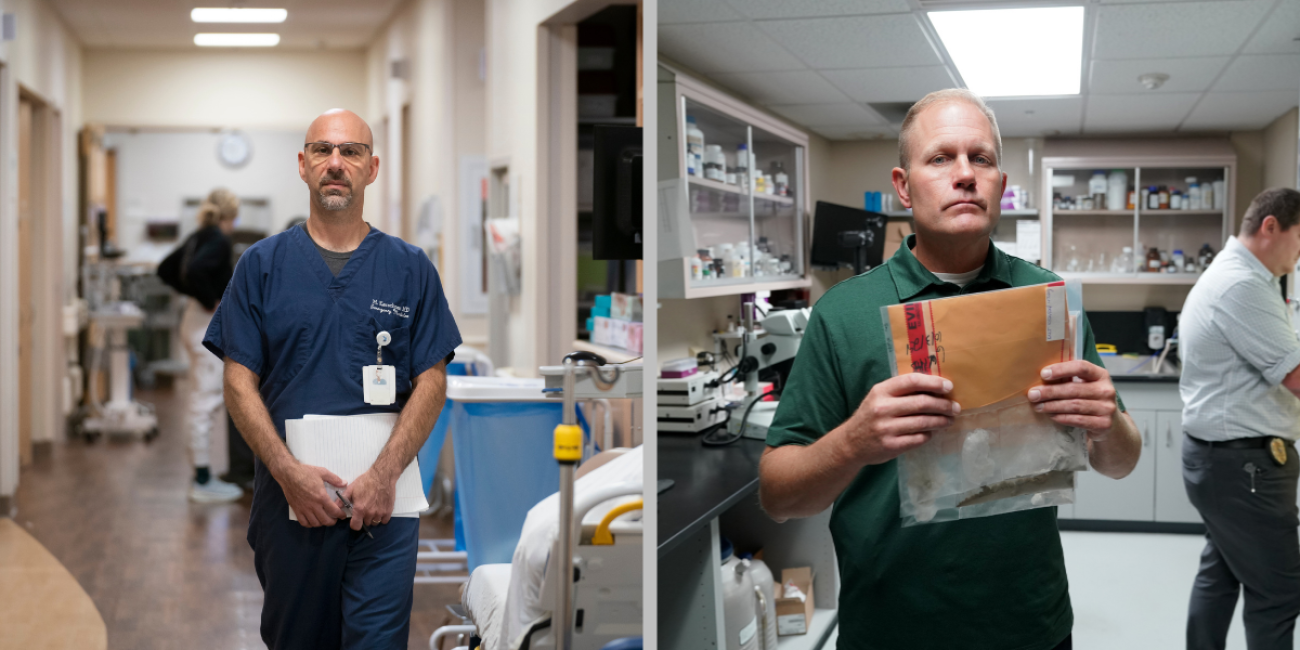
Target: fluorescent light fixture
(238, 15)
(237, 40)
(1015, 52)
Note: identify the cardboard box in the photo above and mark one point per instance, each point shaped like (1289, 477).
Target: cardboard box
(625, 306)
(794, 617)
(896, 233)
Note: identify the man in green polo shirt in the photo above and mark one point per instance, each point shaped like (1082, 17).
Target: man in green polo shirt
(991, 583)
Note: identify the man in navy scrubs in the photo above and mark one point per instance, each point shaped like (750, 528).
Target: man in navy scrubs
(298, 322)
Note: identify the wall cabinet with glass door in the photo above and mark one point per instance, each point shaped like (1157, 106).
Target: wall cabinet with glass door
(1121, 221)
(732, 195)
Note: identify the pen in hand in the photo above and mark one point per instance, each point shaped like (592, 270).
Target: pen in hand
(349, 505)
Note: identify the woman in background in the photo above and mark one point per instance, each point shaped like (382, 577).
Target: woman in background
(205, 271)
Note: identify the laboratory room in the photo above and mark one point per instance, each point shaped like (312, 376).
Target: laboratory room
(1025, 378)
(321, 324)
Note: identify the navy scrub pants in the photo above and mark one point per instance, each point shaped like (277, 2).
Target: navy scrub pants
(332, 588)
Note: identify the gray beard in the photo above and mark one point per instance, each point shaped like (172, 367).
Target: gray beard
(334, 202)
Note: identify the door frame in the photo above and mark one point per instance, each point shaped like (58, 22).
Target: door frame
(47, 289)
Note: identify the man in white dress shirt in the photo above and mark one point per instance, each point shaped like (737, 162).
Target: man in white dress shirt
(1241, 416)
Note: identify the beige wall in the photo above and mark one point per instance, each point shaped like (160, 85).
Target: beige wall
(45, 59)
(220, 88)
(1280, 142)
(440, 40)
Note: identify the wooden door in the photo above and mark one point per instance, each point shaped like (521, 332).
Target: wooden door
(26, 313)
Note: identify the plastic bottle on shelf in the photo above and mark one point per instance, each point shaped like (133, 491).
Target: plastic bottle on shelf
(1193, 198)
(1116, 185)
(1207, 196)
(1097, 184)
(697, 267)
(1153, 198)
(714, 163)
(1179, 262)
(1128, 205)
(1220, 195)
(1176, 200)
(1205, 257)
(694, 148)
(1123, 263)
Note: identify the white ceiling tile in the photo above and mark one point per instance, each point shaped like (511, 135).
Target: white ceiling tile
(855, 133)
(1036, 117)
(1220, 111)
(1154, 112)
(695, 11)
(1278, 34)
(1194, 74)
(846, 114)
(891, 84)
(815, 8)
(1261, 72)
(724, 47)
(794, 87)
(1185, 29)
(855, 42)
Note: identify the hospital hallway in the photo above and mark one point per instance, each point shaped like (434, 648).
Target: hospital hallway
(163, 572)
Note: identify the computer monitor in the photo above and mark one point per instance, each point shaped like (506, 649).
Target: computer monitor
(847, 237)
(616, 200)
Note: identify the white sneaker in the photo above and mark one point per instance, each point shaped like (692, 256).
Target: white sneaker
(215, 491)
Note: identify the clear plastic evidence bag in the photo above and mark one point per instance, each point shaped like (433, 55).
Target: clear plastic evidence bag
(1000, 455)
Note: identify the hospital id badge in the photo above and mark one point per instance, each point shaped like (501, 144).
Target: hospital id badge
(379, 385)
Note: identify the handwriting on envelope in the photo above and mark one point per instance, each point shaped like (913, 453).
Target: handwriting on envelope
(991, 345)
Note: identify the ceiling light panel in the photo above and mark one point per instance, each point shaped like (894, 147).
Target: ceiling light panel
(237, 40)
(238, 15)
(1015, 52)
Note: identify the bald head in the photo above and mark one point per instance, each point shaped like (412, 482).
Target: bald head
(340, 125)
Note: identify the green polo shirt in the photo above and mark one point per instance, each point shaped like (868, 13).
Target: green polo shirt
(995, 583)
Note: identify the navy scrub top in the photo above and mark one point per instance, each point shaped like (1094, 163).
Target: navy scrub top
(307, 333)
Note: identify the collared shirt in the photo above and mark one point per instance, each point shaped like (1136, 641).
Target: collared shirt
(991, 583)
(1237, 344)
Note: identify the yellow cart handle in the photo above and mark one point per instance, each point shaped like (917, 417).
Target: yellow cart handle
(568, 443)
(602, 537)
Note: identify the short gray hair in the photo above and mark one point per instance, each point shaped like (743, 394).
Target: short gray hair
(944, 97)
(1281, 203)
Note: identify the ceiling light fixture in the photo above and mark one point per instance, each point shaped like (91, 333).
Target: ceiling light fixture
(236, 40)
(1015, 52)
(238, 15)
(1153, 80)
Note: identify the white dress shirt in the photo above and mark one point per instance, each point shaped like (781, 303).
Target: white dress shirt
(1237, 344)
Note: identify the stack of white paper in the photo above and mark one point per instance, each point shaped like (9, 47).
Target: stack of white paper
(348, 446)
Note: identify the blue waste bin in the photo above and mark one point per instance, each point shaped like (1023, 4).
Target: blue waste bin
(502, 432)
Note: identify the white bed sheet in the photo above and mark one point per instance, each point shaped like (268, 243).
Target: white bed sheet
(485, 600)
(528, 567)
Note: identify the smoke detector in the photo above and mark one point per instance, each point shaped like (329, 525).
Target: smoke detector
(1153, 80)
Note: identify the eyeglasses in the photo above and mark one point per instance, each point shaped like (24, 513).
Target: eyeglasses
(354, 153)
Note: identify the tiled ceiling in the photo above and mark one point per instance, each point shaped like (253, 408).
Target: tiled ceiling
(312, 24)
(1232, 64)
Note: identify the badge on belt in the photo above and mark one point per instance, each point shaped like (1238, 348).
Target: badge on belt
(379, 382)
(1277, 449)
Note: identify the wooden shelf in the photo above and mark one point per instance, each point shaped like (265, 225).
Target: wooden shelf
(1012, 214)
(1092, 213)
(1186, 279)
(725, 188)
(1183, 213)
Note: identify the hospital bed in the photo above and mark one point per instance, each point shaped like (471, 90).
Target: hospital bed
(509, 606)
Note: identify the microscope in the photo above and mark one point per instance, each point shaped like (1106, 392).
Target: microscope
(774, 347)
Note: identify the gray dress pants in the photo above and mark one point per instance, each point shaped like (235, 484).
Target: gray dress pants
(1251, 544)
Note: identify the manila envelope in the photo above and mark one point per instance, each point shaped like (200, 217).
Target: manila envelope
(991, 345)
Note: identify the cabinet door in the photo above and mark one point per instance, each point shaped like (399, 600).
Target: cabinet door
(1171, 497)
(1131, 498)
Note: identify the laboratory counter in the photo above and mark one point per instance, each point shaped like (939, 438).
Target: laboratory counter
(707, 481)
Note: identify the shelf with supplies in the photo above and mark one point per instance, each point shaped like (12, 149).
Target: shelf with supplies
(732, 183)
(1006, 214)
(1112, 202)
(1132, 278)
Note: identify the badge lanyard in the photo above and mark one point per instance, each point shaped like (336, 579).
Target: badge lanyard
(379, 382)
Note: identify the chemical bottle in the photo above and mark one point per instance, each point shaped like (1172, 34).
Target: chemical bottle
(1153, 198)
(765, 584)
(1153, 260)
(1193, 198)
(740, 616)
(1116, 184)
(1097, 185)
(697, 266)
(1164, 198)
(694, 148)
(1207, 196)
(1205, 257)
